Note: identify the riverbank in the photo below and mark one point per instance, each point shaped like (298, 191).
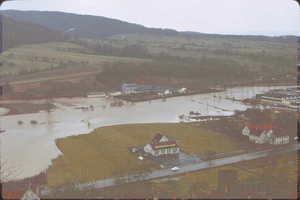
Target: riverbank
(68, 121)
(262, 84)
(78, 90)
(105, 153)
(148, 97)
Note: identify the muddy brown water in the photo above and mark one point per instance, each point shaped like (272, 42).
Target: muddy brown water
(30, 148)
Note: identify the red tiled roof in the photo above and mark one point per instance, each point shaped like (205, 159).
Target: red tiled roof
(263, 127)
(258, 129)
(255, 131)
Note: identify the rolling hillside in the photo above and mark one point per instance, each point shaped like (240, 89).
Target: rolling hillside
(16, 33)
(97, 27)
(85, 26)
(99, 54)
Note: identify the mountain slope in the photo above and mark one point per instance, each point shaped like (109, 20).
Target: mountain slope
(95, 27)
(85, 26)
(16, 33)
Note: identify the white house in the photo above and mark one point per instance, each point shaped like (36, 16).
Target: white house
(265, 134)
(162, 146)
(129, 88)
(168, 92)
(182, 91)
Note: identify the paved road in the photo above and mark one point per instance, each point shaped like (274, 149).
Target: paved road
(185, 169)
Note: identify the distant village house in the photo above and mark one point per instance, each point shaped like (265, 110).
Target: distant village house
(265, 134)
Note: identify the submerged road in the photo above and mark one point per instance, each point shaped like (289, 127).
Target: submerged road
(184, 169)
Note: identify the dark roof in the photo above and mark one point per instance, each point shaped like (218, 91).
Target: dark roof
(157, 138)
(255, 131)
(258, 128)
(162, 145)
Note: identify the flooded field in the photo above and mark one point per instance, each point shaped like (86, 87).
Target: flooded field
(28, 144)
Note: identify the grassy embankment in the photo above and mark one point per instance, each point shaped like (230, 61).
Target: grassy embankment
(105, 152)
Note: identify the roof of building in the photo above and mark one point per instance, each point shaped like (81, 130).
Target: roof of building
(261, 126)
(255, 131)
(258, 129)
(157, 144)
(164, 145)
(157, 138)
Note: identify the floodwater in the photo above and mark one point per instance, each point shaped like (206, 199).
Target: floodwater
(29, 149)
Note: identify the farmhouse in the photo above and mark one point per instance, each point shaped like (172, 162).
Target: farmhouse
(265, 134)
(161, 146)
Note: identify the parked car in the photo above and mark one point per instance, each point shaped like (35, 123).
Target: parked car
(141, 158)
(174, 169)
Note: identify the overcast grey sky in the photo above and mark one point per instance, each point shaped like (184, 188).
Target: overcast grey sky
(267, 17)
